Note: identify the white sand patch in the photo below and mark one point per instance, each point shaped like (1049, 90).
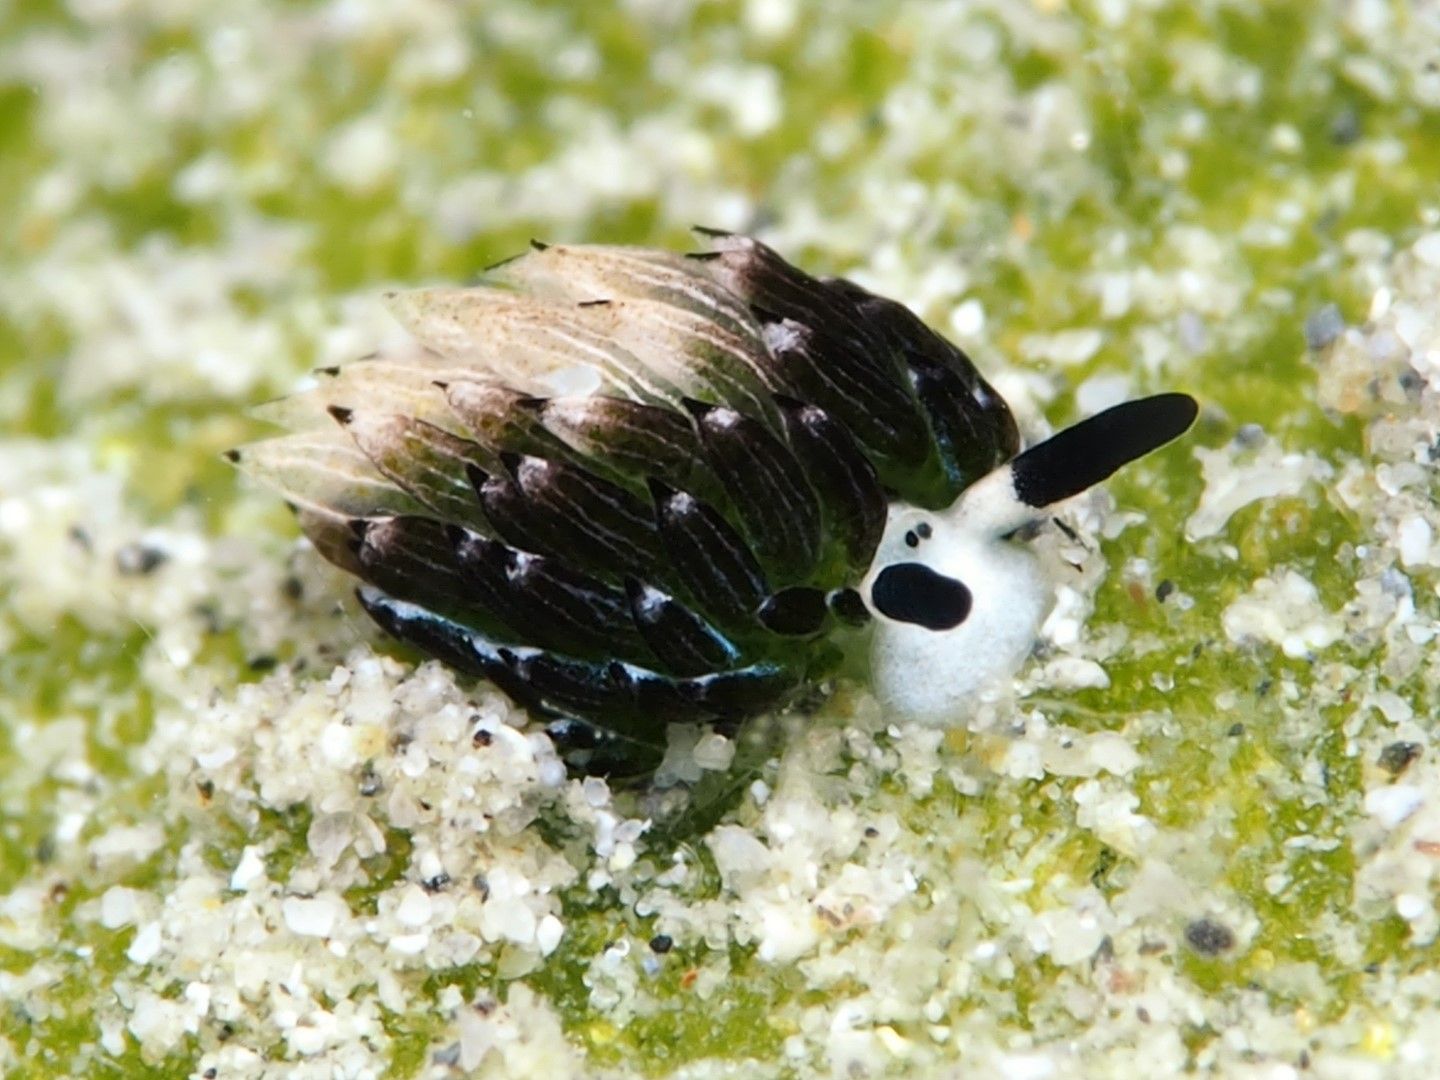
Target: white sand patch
(1284, 610)
(1232, 484)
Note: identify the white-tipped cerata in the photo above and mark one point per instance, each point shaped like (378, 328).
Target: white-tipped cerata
(957, 601)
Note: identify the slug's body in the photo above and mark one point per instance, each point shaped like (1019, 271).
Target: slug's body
(633, 488)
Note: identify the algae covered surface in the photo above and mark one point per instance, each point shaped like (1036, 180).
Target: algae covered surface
(244, 836)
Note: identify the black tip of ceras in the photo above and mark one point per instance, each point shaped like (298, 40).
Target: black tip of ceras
(512, 462)
(662, 495)
(795, 612)
(477, 476)
(696, 408)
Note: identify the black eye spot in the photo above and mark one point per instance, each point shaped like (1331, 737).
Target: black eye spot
(910, 592)
(918, 533)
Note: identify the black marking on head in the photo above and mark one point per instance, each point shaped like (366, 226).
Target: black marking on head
(913, 593)
(924, 531)
(341, 414)
(912, 539)
(232, 456)
(594, 303)
(1081, 456)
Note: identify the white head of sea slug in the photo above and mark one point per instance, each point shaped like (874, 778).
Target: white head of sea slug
(957, 600)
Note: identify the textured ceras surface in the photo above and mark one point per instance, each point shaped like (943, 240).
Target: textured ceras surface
(632, 487)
